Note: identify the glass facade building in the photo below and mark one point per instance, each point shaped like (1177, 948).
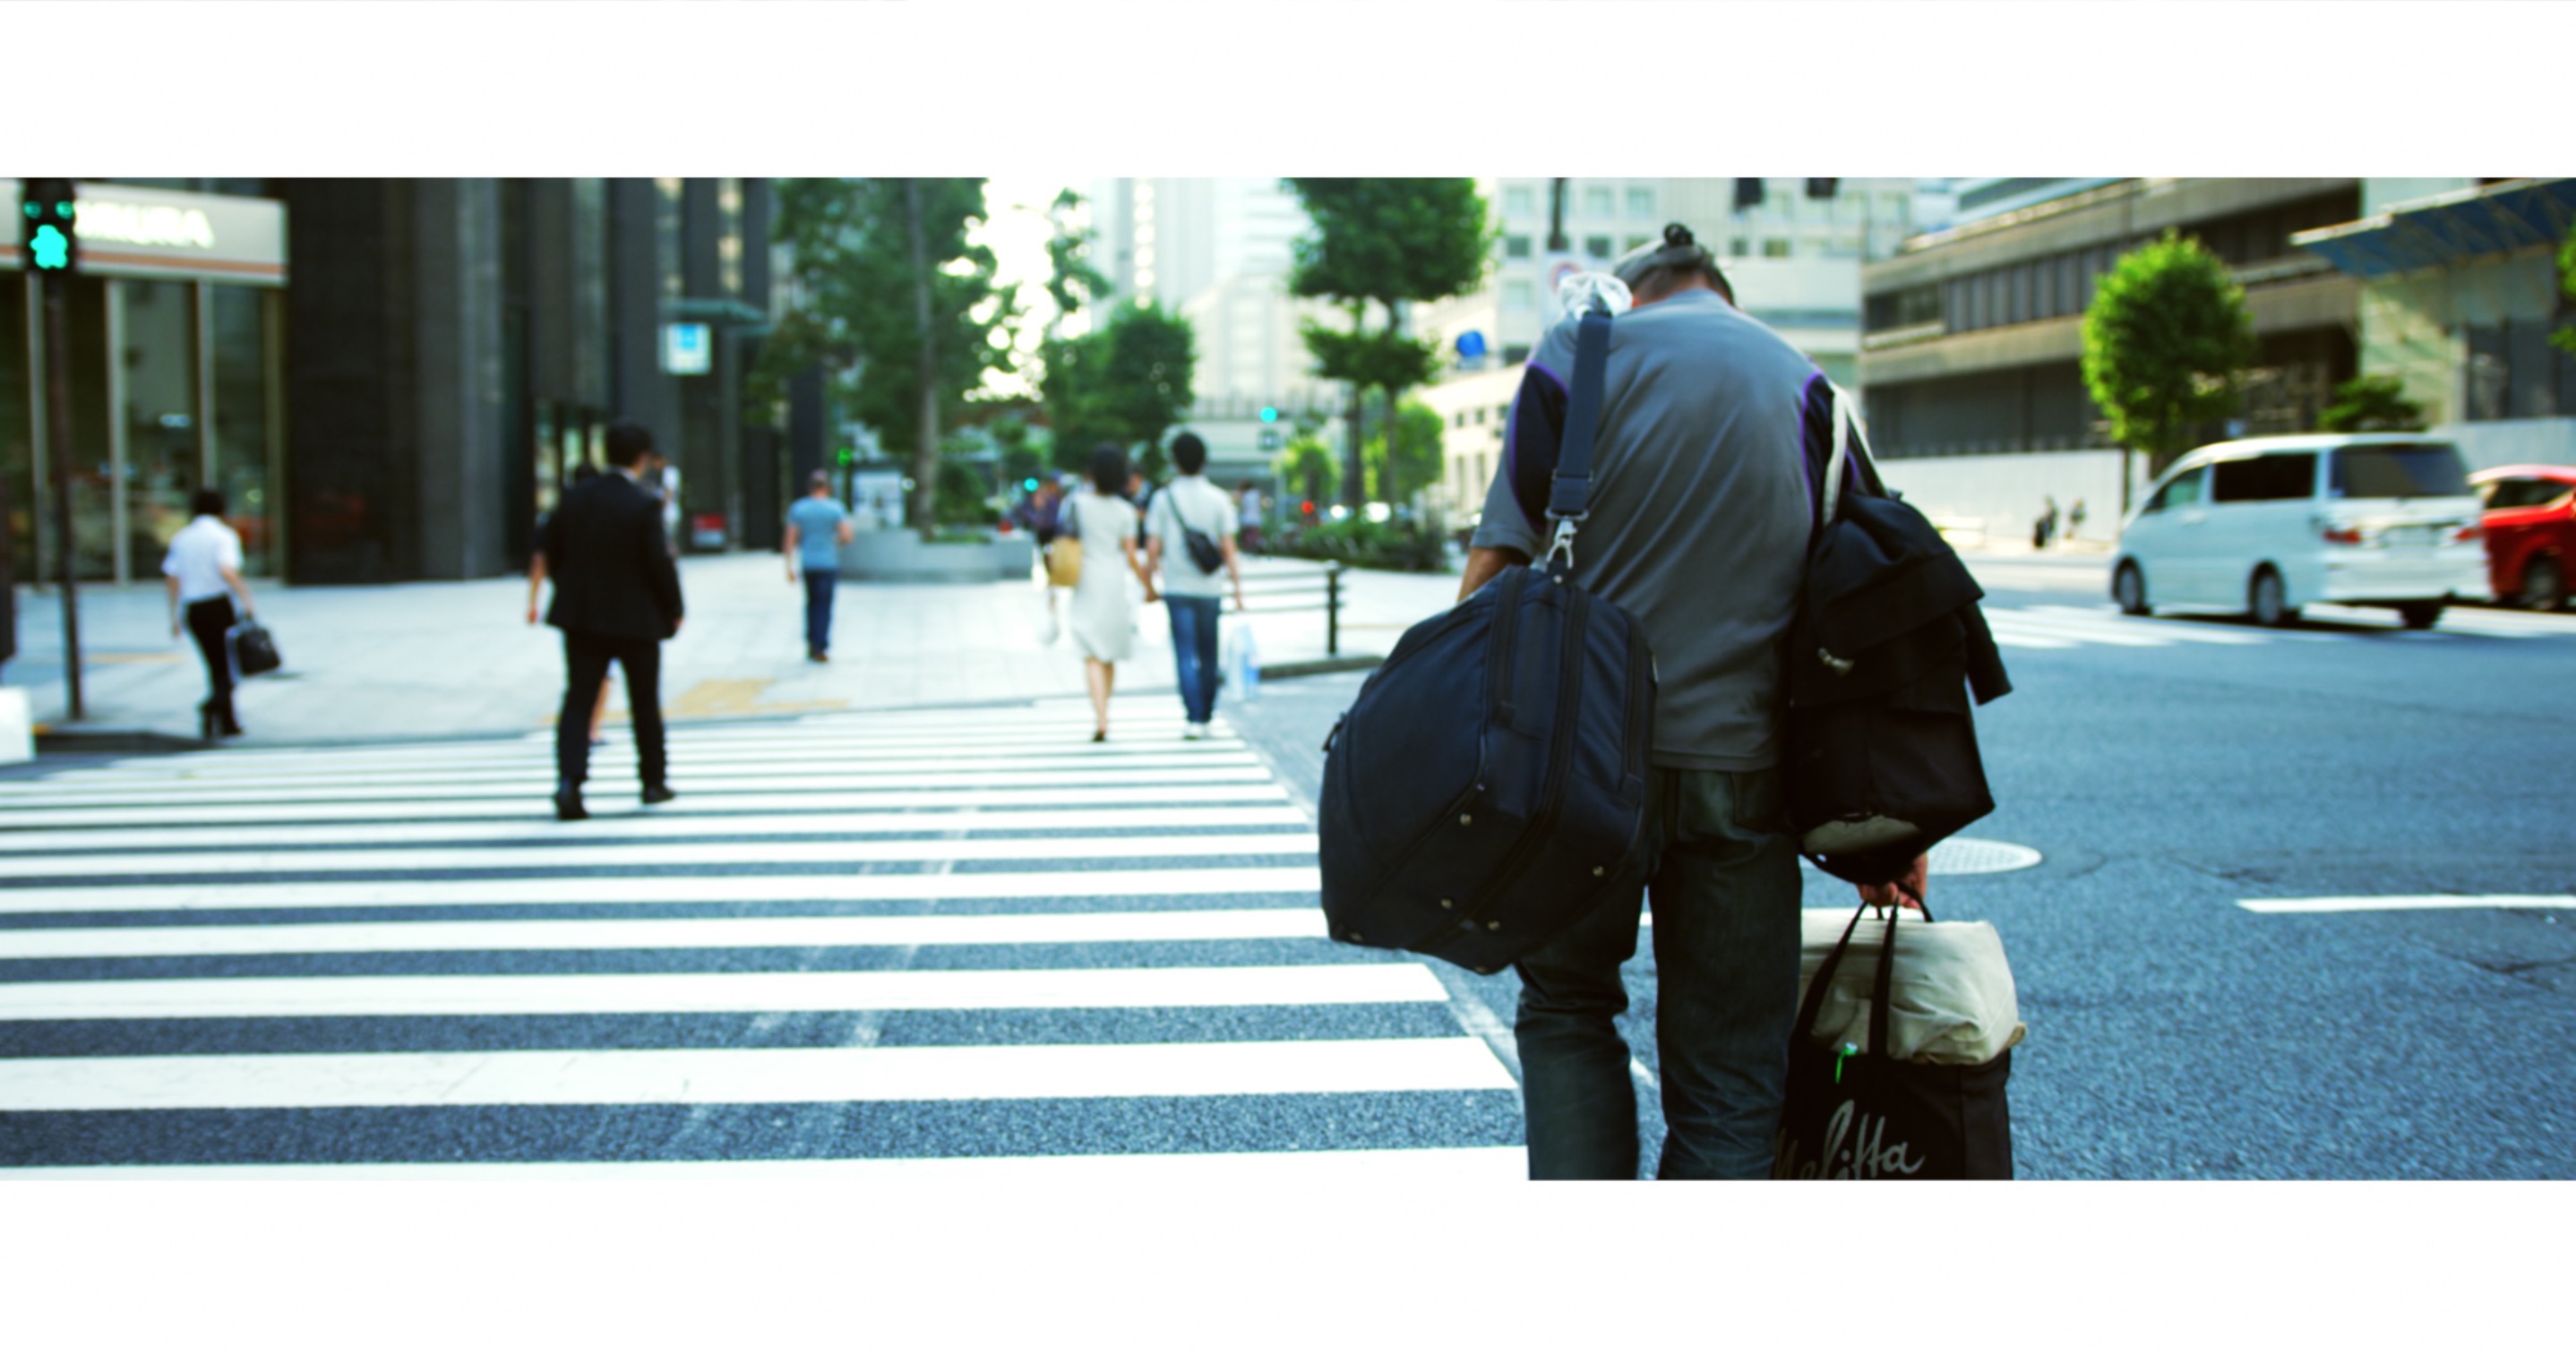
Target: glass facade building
(173, 332)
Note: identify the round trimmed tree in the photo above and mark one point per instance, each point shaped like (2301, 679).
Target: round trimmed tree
(2166, 343)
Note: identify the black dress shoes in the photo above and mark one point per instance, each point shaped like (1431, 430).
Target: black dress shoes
(568, 807)
(659, 794)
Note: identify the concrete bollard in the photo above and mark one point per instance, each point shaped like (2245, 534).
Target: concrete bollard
(17, 727)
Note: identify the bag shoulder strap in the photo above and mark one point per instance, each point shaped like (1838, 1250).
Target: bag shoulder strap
(1569, 495)
(1851, 448)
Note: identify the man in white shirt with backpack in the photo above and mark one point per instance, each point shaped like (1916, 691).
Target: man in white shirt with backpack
(1191, 507)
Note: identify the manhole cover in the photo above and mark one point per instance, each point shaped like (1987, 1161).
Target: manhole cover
(1974, 855)
(1971, 855)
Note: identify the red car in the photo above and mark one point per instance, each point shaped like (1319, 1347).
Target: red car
(2531, 531)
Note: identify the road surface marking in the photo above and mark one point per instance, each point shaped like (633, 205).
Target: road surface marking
(769, 1076)
(752, 888)
(629, 854)
(697, 993)
(2408, 903)
(1393, 1168)
(660, 827)
(692, 933)
(698, 811)
(181, 794)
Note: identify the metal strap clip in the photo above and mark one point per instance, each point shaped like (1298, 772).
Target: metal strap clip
(1563, 544)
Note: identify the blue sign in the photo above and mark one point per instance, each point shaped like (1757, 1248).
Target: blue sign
(688, 349)
(1471, 345)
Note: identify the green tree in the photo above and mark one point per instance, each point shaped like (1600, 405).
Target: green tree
(2166, 343)
(1072, 283)
(1404, 455)
(2371, 404)
(1145, 381)
(2565, 338)
(1310, 465)
(1070, 369)
(1382, 242)
(896, 304)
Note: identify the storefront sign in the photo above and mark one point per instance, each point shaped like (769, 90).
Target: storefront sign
(156, 233)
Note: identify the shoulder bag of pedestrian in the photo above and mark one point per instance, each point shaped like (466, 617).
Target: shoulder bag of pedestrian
(1204, 551)
(1064, 553)
(254, 651)
(1923, 1097)
(1886, 647)
(1488, 786)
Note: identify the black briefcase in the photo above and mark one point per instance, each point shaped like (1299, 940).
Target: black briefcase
(1854, 1113)
(254, 652)
(1487, 788)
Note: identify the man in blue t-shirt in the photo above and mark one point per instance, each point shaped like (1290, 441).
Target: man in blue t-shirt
(817, 528)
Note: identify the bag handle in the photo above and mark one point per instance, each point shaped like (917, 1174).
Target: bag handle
(1569, 495)
(1851, 445)
(1882, 985)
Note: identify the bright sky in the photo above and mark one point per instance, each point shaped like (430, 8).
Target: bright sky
(1016, 230)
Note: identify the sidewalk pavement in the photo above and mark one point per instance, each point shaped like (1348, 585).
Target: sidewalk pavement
(428, 660)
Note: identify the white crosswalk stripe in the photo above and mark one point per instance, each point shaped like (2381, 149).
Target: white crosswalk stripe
(963, 941)
(2058, 626)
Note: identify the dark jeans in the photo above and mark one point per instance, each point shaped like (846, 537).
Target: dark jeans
(818, 608)
(209, 620)
(1194, 651)
(586, 660)
(1725, 892)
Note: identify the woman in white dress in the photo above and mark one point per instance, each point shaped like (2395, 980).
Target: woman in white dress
(1104, 611)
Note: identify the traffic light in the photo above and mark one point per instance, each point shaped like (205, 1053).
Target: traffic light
(47, 226)
(1269, 414)
(1029, 485)
(849, 455)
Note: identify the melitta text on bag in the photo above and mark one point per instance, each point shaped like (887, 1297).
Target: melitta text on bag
(1488, 786)
(1886, 646)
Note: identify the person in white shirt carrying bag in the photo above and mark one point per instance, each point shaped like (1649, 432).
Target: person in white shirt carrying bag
(203, 571)
(1189, 533)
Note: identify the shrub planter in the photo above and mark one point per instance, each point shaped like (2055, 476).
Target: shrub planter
(900, 556)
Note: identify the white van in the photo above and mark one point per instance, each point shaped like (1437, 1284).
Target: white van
(2268, 525)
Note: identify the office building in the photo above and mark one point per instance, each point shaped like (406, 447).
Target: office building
(2459, 294)
(393, 378)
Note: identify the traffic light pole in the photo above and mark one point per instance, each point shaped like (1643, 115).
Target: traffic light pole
(58, 457)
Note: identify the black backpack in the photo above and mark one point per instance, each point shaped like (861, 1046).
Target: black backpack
(1886, 645)
(1487, 788)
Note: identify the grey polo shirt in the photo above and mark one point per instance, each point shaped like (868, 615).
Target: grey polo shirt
(1700, 511)
(1189, 500)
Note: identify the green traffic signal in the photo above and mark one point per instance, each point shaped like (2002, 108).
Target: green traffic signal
(1269, 414)
(52, 250)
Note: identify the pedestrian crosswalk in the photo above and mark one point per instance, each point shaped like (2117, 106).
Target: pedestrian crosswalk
(935, 938)
(2072, 627)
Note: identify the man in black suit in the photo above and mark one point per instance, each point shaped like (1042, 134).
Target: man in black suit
(617, 597)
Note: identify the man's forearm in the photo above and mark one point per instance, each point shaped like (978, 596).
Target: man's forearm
(1483, 563)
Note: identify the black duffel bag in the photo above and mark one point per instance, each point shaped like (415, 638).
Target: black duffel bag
(1488, 785)
(1886, 648)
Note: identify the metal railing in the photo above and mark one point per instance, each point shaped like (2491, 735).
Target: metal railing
(1323, 582)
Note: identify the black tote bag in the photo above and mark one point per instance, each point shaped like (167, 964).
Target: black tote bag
(1855, 1114)
(253, 651)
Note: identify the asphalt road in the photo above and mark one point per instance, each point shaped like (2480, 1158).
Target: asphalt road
(970, 939)
(2171, 769)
